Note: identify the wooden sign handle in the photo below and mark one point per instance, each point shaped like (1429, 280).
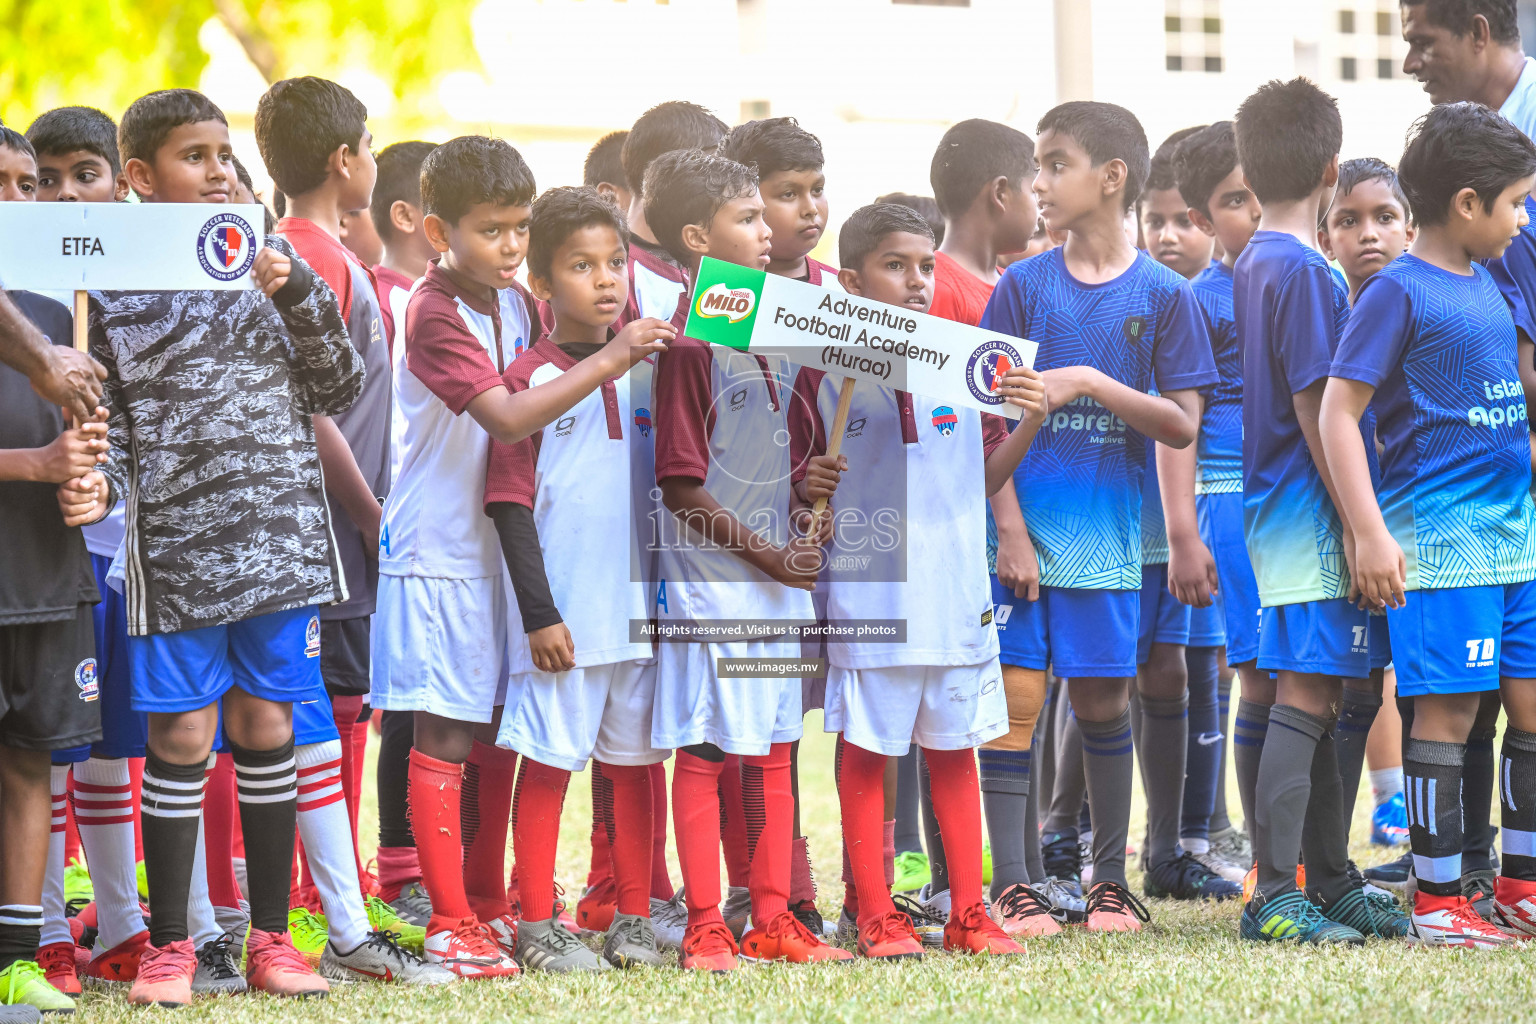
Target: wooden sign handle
(82, 324)
(834, 446)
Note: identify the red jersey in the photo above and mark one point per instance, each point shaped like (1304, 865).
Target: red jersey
(957, 294)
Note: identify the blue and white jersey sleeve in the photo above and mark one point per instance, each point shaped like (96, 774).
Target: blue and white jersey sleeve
(1455, 477)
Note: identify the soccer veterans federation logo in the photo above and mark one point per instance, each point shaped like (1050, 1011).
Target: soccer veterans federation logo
(944, 420)
(312, 637)
(643, 422)
(86, 681)
(985, 370)
(226, 247)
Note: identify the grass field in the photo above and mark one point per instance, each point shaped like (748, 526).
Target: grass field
(1188, 965)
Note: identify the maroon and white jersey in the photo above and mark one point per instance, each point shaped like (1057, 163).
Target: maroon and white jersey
(457, 343)
(821, 275)
(721, 418)
(577, 476)
(911, 520)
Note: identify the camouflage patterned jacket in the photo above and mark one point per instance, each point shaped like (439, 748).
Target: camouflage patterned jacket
(211, 396)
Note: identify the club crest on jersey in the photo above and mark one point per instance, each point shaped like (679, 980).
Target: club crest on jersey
(735, 304)
(643, 422)
(1135, 327)
(312, 637)
(985, 370)
(85, 680)
(944, 420)
(226, 247)
(518, 347)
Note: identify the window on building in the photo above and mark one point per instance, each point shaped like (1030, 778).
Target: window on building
(1385, 67)
(1347, 69)
(1384, 25)
(754, 110)
(1347, 23)
(933, 3)
(1192, 29)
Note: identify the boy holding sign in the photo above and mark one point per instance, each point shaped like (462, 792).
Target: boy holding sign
(941, 688)
(717, 411)
(585, 681)
(1112, 325)
(48, 681)
(228, 548)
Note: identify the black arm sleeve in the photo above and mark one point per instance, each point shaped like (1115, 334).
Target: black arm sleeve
(525, 564)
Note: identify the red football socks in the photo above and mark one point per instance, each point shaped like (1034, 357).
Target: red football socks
(770, 811)
(345, 711)
(220, 816)
(733, 823)
(957, 805)
(537, 801)
(861, 794)
(489, 773)
(631, 836)
(696, 811)
(602, 823)
(661, 879)
(435, 795)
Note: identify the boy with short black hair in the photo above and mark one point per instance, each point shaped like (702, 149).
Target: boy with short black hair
(793, 185)
(82, 165)
(397, 216)
(1211, 185)
(1367, 225)
(77, 158)
(49, 696)
(1447, 546)
(440, 649)
(604, 169)
(315, 142)
(564, 504)
(700, 204)
(1180, 634)
(1113, 326)
(1290, 309)
(941, 687)
(980, 176)
(221, 603)
(656, 288)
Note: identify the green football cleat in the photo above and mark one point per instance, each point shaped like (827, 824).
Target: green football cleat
(912, 871)
(1369, 914)
(1291, 917)
(382, 918)
(24, 984)
(143, 879)
(310, 933)
(78, 890)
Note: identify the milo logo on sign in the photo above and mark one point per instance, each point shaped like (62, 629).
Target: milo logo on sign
(735, 304)
(724, 306)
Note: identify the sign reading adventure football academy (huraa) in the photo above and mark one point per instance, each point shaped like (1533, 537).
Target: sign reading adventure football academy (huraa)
(897, 347)
(128, 246)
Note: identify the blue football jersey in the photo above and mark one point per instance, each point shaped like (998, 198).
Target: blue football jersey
(1080, 485)
(1439, 348)
(1290, 309)
(1219, 466)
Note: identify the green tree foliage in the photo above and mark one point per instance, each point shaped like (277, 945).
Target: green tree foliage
(107, 52)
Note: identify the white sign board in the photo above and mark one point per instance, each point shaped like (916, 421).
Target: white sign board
(128, 246)
(894, 346)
